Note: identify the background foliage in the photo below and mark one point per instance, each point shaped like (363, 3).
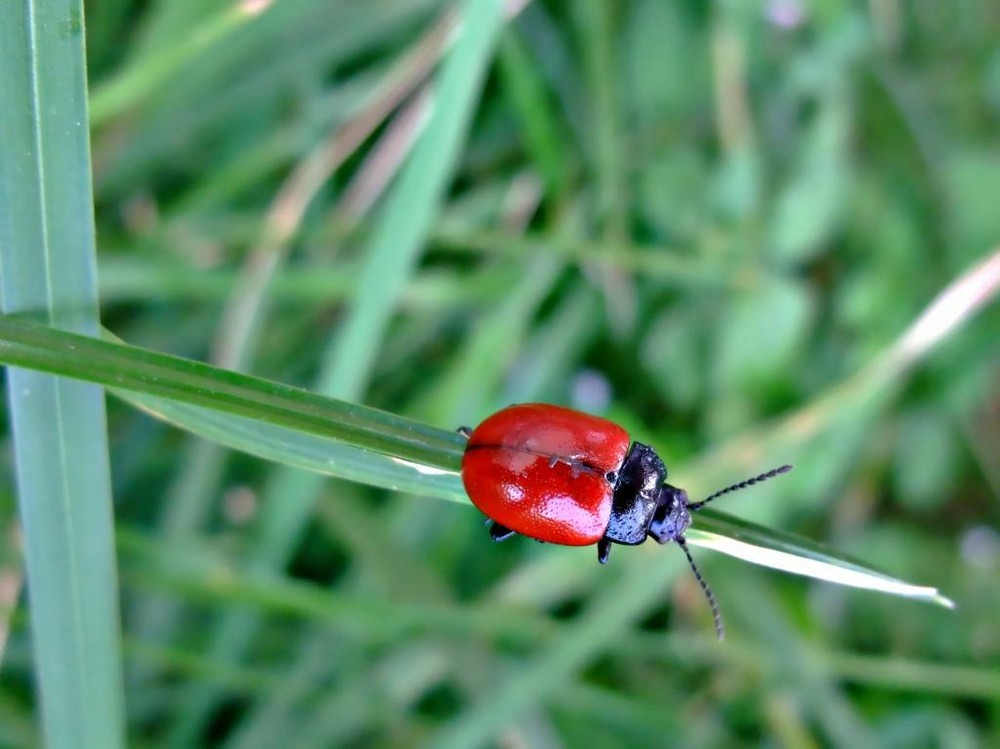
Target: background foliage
(698, 219)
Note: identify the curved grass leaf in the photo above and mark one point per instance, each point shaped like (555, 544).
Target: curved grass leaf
(122, 367)
(312, 452)
(769, 547)
(361, 444)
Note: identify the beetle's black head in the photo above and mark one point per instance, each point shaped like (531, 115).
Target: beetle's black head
(672, 516)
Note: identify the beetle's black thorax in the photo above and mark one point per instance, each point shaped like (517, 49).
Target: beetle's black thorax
(636, 492)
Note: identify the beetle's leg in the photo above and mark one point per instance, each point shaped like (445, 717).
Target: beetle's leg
(500, 533)
(576, 465)
(465, 432)
(603, 549)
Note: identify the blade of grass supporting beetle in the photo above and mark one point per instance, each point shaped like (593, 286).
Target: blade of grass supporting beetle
(314, 453)
(768, 547)
(330, 437)
(29, 344)
(47, 258)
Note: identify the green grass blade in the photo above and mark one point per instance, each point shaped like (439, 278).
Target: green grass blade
(406, 223)
(47, 265)
(402, 229)
(768, 547)
(597, 42)
(313, 452)
(131, 368)
(327, 436)
(113, 97)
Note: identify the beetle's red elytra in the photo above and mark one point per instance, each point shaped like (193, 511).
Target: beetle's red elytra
(542, 471)
(566, 477)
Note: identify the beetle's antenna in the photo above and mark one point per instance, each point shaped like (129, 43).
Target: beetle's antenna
(720, 630)
(742, 485)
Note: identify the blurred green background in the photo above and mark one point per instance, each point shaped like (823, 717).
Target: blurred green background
(703, 220)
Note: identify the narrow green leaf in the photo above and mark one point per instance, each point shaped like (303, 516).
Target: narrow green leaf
(407, 220)
(359, 443)
(47, 265)
(29, 344)
(533, 107)
(597, 42)
(403, 227)
(772, 548)
(139, 80)
(313, 452)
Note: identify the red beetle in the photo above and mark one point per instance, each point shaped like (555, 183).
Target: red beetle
(566, 477)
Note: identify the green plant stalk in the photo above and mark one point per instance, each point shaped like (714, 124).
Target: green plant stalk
(48, 265)
(29, 344)
(383, 449)
(113, 97)
(403, 227)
